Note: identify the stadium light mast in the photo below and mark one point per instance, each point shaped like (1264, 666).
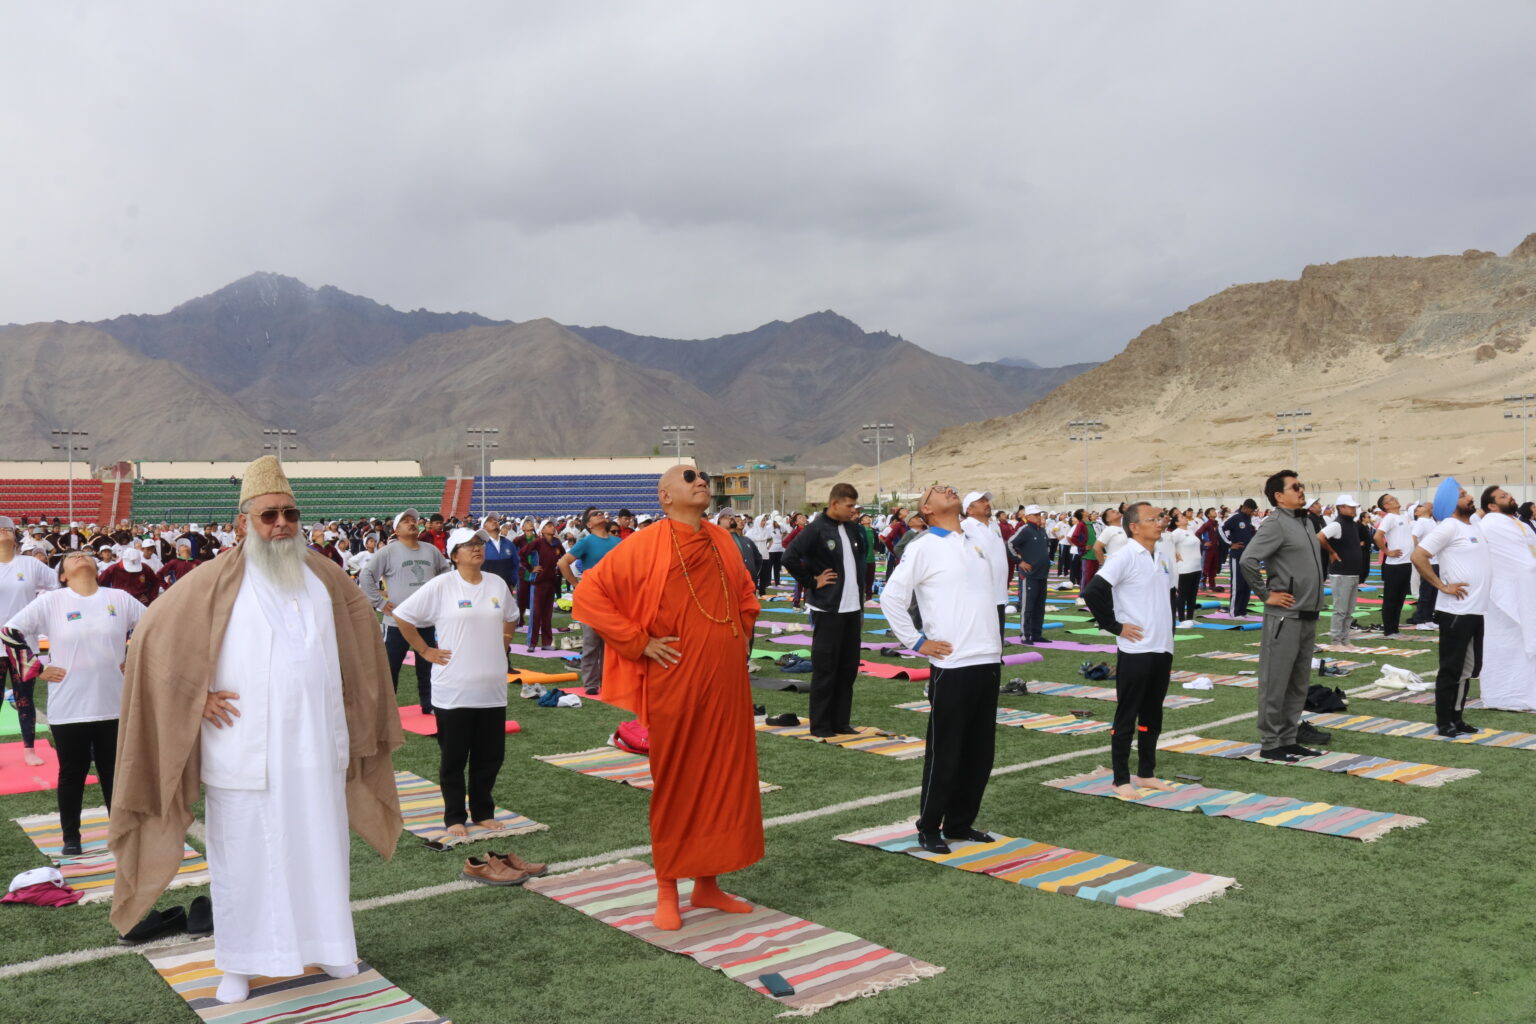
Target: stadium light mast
(1289, 422)
(1085, 431)
(69, 447)
(282, 440)
(1524, 416)
(677, 440)
(877, 440)
(911, 451)
(482, 440)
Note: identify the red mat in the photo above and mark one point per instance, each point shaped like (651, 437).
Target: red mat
(412, 720)
(881, 670)
(16, 776)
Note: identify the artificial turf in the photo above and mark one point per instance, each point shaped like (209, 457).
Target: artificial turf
(1425, 924)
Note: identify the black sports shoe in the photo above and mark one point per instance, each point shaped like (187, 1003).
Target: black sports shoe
(1301, 751)
(933, 842)
(970, 835)
(1448, 730)
(1280, 754)
(1309, 733)
(71, 849)
(1463, 729)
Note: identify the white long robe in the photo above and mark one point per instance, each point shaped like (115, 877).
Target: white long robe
(278, 849)
(1509, 624)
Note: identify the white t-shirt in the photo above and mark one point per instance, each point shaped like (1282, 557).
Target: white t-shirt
(1141, 579)
(1186, 550)
(1398, 530)
(22, 579)
(1113, 538)
(996, 551)
(1421, 529)
(1462, 554)
(468, 618)
(88, 639)
(951, 577)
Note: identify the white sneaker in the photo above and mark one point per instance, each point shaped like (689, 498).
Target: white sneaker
(533, 691)
(1187, 624)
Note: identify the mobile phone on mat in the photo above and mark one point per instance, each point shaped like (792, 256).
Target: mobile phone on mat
(776, 985)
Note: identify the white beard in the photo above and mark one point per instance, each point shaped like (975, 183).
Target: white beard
(280, 561)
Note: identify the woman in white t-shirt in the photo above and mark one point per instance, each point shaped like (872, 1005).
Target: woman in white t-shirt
(1187, 562)
(475, 616)
(22, 579)
(87, 627)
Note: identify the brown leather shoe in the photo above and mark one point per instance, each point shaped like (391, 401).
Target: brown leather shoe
(492, 871)
(532, 869)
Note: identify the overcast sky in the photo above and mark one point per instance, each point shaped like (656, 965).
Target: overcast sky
(1038, 179)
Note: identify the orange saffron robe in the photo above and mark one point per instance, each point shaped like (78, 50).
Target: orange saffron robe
(706, 812)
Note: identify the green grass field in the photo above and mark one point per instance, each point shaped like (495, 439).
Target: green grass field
(1423, 925)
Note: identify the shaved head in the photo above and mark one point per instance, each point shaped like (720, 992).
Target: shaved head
(678, 494)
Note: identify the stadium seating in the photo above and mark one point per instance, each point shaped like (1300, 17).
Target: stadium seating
(180, 501)
(33, 498)
(563, 495)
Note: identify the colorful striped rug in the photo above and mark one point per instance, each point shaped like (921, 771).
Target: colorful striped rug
(1423, 697)
(1401, 652)
(865, 738)
(1185, 676)
(1078, 692)
(95, 870)
(1060, 725)
(310, 998)
(1361, 766)
(825, 967)
(1278, 811)
(1421, 731)
(616, 765)
(1088, 876)
(421, 804)
(1243, 656)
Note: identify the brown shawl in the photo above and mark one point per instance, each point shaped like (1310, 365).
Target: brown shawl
(172, 659)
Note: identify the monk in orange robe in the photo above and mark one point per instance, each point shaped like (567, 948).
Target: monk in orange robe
(676, 607)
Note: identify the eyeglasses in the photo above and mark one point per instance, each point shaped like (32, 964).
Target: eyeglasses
(690, 475)
(269, 515)
(1295, 485)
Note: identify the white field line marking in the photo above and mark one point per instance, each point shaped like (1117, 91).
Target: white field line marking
(412, 895)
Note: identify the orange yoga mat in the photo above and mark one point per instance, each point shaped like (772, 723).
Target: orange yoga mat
(525, 675)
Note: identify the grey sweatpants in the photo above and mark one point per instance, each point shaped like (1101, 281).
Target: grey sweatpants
(1285, 671)
(1344, 592)
(591, 658)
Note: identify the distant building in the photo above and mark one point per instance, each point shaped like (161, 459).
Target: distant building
(754, 488)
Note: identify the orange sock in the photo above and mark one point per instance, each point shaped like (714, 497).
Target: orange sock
(667, 917)
(706, 893)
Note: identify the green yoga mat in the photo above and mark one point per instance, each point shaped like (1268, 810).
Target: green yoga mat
(10, 725)
(758, 652)
(1069, 618)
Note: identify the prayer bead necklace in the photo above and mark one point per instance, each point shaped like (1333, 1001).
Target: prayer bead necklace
(729, 619)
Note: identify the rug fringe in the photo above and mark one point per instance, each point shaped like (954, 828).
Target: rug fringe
(625, 862)
(1381, 828)
(1095, 773)
(1440, 778)
(1177, 910)
(907, 977)
(848, 837)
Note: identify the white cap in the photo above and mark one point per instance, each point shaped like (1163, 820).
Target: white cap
(463, 535)
(1346, 499)
(132, 558)
(974, 497)
(1033, 510)
(406, 512)
(146, 543)
(7, 523)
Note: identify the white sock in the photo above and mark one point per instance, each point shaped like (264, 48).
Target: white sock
(234, 988)
(340, 970)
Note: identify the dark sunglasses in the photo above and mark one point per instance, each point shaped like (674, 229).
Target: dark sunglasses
(269, 515)
(690, 475)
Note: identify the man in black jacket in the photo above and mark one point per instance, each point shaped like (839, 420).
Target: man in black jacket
(1032, 547)
(1347, 544)
(827, 558)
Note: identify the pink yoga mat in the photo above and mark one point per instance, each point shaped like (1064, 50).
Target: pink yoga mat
(1066, 645)
(412, 720)
(523, 651)
(16, 776)
(792, 639)
(881, 670)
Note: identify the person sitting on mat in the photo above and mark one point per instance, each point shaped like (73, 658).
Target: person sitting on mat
(1129, 598)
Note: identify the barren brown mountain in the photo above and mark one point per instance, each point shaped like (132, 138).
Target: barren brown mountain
(1403, 362)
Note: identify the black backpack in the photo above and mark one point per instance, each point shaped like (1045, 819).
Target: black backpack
(1325, 699)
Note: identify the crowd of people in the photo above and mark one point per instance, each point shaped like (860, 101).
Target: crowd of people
(290, 708)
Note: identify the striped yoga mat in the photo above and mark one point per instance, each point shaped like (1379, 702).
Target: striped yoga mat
(1243, 656)
(1172, 702)
(616, 765)
(1279, 811)
(310, 998)
(869, 740)
(1401, 652)
(1185, 676)
(1421, 730)
(1060, 725)
(1088, 876)
(1359, 765)
(95, 870)
(825, 967)
(1422, 697)
(421, 804)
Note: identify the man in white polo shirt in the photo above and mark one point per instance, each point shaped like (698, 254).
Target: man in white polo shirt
(1456, 543)
(953, 581)
(1394, 536)
(1129, 597)
(977, 526)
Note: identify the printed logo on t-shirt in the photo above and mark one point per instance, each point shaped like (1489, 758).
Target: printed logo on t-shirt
(21, 576)
(466, 604)
(495, 602)
(72, 616)
(112, 610)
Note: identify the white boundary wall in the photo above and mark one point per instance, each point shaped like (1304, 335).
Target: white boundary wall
(44, 470)
(612, 465)
(294, 469)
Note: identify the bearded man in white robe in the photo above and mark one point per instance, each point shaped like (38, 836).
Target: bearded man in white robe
(261, 675)
(1508, 681)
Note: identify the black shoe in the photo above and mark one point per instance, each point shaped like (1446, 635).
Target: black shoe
(200, 917)
(787, 718)
(758, 710)
(155, 924)
(933, 842)
(428, 711)
(1301, 751)
(1448, 730)
(1463, 729)
(71, 849)
(969, 835)
(1280, 754)
(1014, 687)
(1309, 733)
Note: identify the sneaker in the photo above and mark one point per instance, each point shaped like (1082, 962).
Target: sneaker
(591, 691)
(71, 849)
(1014, 687)
(1301, 751)
(933, 842)
(969, 835)
(1448, 731)
(1309, 733)
(491, 871)
(533, 691)
(1463, 729)
(1280, 754)
(1187, 624)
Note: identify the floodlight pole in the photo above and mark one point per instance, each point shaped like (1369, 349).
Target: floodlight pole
(1085, 431)
(877, 440)
(482, 440)
(1524, 416)
(69, 447)
(677, 440)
